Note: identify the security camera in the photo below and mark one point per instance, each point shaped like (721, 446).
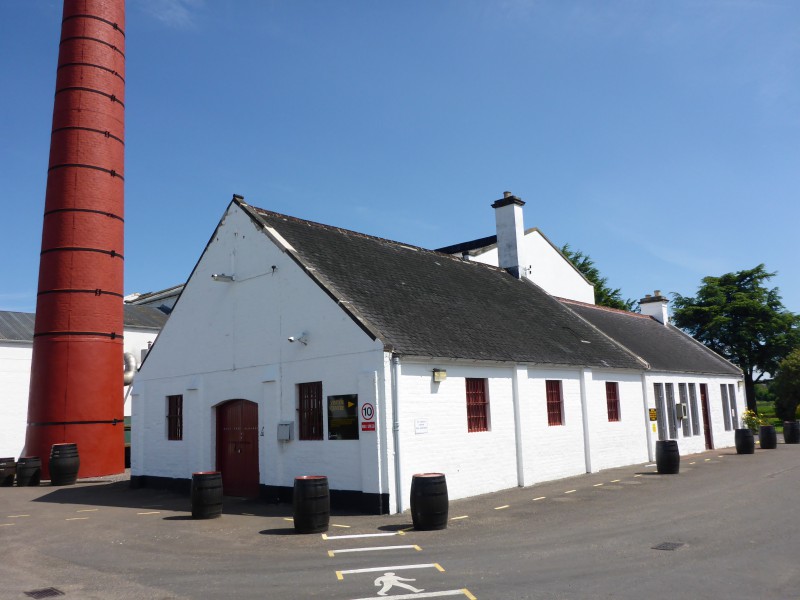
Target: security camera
(302, 338)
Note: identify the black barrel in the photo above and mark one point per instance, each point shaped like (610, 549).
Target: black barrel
(791, 432)
(745, 443)
(311, 504)
(429, 503)
(29, 471)
(8, 467)
(64, 464)
(206, 494)
(668, 458)
(767, 438)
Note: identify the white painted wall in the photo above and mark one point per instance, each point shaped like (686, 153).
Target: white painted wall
(15, 376)
(548, 268)
(228, 341)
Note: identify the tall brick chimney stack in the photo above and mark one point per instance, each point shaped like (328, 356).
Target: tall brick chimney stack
(76, 375)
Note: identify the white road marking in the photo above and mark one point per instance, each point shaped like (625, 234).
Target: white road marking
(570, 491)
(539, 498)
(342, 526)
(325, 536)
(502, 507)
(340, 574)
(461, 517)
(373, 549)
(616, 480)
(441, 594)
(653, 465)
(77, 519)
(597, 484)
(16, 516)
(88, 510)
(152, 512)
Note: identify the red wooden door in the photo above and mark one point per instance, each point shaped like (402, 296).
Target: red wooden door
(706, 416)
(237, 447)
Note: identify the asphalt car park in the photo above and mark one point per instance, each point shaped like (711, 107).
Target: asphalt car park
(724, 527)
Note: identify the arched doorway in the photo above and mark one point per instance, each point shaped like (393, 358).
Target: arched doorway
(237, 447)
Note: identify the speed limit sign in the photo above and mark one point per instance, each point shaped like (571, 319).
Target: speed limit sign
(367, 412)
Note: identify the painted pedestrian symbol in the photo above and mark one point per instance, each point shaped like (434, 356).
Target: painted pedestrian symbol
(390, 580)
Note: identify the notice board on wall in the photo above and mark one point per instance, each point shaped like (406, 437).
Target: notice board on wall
(343, 417)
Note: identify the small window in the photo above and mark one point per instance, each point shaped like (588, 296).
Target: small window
(175, 417)
(477, 405)
(555, 407)
(685, 424)
(310, 410)
(726, 407)
(612, 400)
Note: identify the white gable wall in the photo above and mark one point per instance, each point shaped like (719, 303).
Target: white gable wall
(549, 269)
(228, 340)
(15, 377)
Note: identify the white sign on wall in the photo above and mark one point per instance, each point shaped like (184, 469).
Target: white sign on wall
(421, 426)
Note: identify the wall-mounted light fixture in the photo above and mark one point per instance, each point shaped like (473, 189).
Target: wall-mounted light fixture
(222, 277)
(439, 375)
(302, 338)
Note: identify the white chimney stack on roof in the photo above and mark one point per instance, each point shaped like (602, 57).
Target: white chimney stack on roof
(510, 234)
(655, 306)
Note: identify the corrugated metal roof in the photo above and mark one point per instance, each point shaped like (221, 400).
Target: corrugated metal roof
(18, 326)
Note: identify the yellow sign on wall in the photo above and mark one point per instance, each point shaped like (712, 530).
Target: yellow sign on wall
(653, 414)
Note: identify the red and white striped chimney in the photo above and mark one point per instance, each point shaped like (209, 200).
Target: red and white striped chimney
(77, 370)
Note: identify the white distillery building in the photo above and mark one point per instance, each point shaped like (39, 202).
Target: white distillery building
(141, 326)
(297, 348)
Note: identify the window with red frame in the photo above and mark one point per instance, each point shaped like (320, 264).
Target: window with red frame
(310, 410)
(477, 405)
(555, 407)
(612, 400)
(175, 417)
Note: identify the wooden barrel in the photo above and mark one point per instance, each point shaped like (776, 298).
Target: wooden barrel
(767, 438)
(8, 467)
(29, 471)
(206, 494)
(311, 504)
(429, 503)
(64, 464)
(791, 432)
(745, 443)
(668, 458)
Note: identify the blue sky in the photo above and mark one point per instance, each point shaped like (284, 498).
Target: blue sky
(662, 138)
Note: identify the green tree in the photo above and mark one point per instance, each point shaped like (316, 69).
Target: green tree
(787, 386)
(738, 317)
(603, 294)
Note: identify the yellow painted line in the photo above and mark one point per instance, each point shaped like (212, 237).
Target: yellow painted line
(152, 512)
(342, 526)
(16, 516)
(403, 531)
(708, 460)
(468, 595)
(339, 575)
(77, 519)
(330, 553)
(539, 498)
(88, 510)
(597, 484)
(502, 507)
(438, 566)
(461, 517)
(288, 519)
(616, 480)
(570, 491)
(693, 463)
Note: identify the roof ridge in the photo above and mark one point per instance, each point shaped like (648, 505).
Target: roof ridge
(600, 307)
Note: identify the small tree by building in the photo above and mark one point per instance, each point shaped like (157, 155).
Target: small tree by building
(603, 294)
(787, 387)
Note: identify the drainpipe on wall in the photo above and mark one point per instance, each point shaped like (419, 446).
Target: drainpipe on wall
(515, 372)
(587, 447)
(650, 456)
(398, 482)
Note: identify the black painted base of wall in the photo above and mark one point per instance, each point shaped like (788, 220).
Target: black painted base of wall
(346, 500)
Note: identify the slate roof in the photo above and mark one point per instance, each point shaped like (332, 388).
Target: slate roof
(424, 303)
(18, 326)
(665, 348)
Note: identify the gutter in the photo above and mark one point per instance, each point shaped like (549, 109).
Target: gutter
(398, 481)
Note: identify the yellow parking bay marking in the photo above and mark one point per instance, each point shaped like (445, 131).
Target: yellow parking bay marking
(459, 518)
(288, 519)
(152, 512)
(342, 526)
(88, 510)
(77, 519)
(462, 592)
(707, 459)
(502, 507)
(539, 498)
(332, 553)
(325, 536)
(570, 491)
(340, 574)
